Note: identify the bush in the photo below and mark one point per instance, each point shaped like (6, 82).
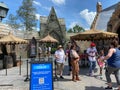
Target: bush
(53, 50)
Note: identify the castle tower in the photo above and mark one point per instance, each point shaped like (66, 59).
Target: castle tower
(99, 7)
(53, 26)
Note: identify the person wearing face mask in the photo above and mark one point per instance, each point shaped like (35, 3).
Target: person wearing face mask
(92, 52)
(60, 60)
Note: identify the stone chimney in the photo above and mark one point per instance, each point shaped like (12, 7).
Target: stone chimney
(99, 7)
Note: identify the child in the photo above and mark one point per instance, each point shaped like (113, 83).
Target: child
(101, 63)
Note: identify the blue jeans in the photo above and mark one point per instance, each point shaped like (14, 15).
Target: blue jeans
(92, 66)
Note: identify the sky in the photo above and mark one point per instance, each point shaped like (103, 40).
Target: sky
(81, 12)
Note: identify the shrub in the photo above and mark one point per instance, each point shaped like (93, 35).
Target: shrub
(53, 50)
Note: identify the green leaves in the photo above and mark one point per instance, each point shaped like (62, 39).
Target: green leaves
(76, 29)
(26, 14)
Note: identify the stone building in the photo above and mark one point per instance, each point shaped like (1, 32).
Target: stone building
(5, 29)
(107, 19)
(53, 26)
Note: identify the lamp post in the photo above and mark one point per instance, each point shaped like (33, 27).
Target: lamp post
(3, 11)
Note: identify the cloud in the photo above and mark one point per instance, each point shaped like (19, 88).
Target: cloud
(47, 8)
(88, 16)
(40, 5)
(59, 2)
(37, 16)
(37, 3)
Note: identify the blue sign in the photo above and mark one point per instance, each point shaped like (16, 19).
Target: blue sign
(41, 76)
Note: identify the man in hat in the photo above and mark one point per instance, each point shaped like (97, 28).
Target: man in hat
(60, 60)
(92, 52)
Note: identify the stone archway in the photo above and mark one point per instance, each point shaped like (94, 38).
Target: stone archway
(56, 35)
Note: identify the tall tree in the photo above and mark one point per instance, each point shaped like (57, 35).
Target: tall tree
(26, 14)
(77, 29)
(13, 21)
(70, 30)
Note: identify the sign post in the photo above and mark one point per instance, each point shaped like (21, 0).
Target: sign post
(41, 76)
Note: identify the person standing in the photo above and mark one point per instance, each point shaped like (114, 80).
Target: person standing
(92, 52)
(77, 48)
(101, 63)
(74, 62)
(69, 60)
(40, 51)
(49, 51)
(60, 60)
(113, 64)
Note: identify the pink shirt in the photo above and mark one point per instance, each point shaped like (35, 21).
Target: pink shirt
(101, 63)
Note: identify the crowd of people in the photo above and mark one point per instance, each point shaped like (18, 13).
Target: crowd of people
(111, 62)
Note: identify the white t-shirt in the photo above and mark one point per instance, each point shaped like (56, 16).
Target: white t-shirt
(92, 53)
(61, 56)
(40, 49)
(49, 49)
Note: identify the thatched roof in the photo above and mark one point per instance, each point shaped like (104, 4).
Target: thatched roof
(48, 38)
(94, 35)
(11, 39)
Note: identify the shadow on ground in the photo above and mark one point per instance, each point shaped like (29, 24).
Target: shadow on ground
(64, 80)
(83, 70)
(93, 88)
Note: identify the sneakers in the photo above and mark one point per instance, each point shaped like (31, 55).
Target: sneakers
(61, 77)
(56, 78)
(108, 87)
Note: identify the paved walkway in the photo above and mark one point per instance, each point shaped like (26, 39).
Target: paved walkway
(14, 81)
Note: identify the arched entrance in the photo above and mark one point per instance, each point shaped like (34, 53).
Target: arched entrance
(118, 32)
